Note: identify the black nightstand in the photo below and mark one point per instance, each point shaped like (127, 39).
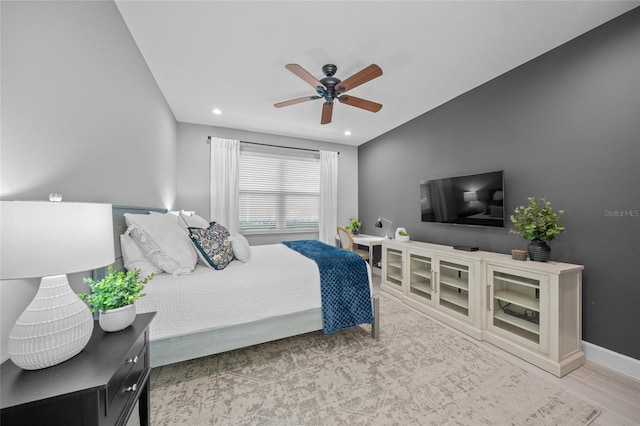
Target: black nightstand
(99, 386)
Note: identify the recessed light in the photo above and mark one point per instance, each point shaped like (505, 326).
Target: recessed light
(216, 111)
(347, 133)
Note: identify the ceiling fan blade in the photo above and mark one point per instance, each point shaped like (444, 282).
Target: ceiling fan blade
(304, 74)
(327, 111)
(296, 101)
(360, 103)
(362, 76)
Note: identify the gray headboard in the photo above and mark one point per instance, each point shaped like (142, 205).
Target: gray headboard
(119, 228)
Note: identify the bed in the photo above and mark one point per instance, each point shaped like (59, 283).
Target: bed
(276, 294)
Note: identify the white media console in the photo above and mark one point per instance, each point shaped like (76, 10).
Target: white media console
(530, 309)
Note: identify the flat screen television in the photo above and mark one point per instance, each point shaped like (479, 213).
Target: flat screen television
(464, 200)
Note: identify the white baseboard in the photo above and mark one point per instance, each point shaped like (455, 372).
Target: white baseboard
(612, 360)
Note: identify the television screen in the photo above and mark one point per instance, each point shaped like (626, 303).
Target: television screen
(464, 200)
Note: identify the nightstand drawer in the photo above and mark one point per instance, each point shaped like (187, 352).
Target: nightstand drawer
(135, 357)
(129, 388)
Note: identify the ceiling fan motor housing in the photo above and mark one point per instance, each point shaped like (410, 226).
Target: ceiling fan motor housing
(330, 93)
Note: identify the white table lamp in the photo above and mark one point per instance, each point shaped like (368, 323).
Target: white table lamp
(47, 240)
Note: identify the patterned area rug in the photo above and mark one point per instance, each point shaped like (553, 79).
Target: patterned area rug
(418, 373)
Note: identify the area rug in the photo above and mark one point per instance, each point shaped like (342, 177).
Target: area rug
(418, 373)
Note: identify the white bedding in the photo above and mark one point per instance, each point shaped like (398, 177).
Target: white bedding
(276, 281)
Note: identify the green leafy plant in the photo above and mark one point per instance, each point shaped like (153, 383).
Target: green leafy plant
(537, 221)
(403, 233)
(354, 225)
(116, 290)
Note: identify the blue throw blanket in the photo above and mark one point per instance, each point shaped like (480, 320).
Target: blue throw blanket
(344, 284)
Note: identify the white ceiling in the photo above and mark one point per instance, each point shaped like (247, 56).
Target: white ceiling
(231, 55)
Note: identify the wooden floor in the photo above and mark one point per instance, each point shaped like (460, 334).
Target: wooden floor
(615, 394)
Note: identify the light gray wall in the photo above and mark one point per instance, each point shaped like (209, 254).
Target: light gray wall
(565, 125)
(193, 161)
(81, 115)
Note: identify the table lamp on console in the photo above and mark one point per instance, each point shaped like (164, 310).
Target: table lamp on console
(48, 240)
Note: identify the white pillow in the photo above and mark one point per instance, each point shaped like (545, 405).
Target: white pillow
(193, 221)
(241, 248)
(134, 258)
(162, 241)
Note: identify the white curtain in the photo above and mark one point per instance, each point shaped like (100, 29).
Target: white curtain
(328, 218)
(225, 159)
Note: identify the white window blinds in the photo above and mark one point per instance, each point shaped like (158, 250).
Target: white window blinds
(279, 190)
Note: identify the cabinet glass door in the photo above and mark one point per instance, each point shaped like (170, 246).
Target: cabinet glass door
(393, 267)
(420, 277)
(516, 305)
(453, 280)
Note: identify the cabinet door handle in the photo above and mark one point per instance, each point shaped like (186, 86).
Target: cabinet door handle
(131, 388)
(435, 278)
(132, 360)
(488, 297)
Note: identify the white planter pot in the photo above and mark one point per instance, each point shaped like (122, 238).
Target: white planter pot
(401, 238)
(117, 319)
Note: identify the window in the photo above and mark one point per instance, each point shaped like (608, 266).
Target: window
(279, 190)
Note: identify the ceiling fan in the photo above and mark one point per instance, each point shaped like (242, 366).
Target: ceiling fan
(330, 88)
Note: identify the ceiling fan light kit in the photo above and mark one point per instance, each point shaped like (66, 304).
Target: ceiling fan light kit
(331, 88)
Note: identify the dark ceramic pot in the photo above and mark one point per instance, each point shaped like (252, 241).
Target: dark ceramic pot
(539, 251)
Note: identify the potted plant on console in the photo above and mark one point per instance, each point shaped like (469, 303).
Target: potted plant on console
(114, 296)
(402, 235)
(538, 223)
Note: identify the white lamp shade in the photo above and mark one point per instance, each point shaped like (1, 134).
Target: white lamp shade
(42, 238)
(49, 240)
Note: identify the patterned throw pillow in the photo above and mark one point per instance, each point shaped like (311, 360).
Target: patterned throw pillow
(213, 245)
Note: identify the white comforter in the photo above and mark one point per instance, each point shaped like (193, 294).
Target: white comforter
(276, 281)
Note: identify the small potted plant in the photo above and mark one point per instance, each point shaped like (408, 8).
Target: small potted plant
(354, 226)
(538, 223)
(114, 296)
(402, 235)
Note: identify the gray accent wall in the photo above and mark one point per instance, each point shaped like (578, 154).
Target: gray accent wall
(565, 125)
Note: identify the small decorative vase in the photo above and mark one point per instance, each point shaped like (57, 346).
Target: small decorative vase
(355, 232)
(117, 319)
(539, 251)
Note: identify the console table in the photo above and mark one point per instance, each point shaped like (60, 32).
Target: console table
(99, 386)
(531, 309)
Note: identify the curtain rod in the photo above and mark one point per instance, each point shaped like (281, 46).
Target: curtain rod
(275, 146)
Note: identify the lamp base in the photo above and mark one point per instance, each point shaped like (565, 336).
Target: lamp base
(56, 326)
